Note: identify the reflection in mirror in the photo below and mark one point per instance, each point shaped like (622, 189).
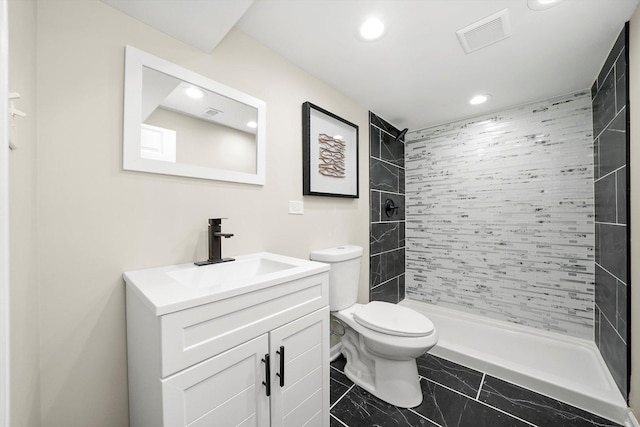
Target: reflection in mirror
(180, 123)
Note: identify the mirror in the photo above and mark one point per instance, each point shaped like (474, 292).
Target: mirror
(178, 122)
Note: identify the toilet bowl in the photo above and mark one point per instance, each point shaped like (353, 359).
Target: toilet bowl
(380, 340)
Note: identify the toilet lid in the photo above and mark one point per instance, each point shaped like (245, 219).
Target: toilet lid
(393, 319)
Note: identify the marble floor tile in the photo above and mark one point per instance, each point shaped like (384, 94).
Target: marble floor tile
(358, 408)
(448, 408)
(339, 385)
(535, 408)
(459, 378)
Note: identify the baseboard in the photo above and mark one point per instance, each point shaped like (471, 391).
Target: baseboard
(336, 351)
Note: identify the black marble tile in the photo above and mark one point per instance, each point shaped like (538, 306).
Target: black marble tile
(594, 89)
(401, 181)
(612, 145)
(374, 141)
(383, 176)
(375, 270)
(375, 206)
(613, 250)
(391, 150)
(391, 264)
(339, 385)
(402, 234)
(387, 292)
(597, 242)
(382, 124)
(604, 106)
(333, 422)
(398, 200)
(448, 408)
(596, 332)
(358, 408)
(621, 81)
(621, 319)
(614, 353)
(621, 184)
(401, 287)
(536, 408)
(613, 55)
(596, 158)
(457, 377)
(606, 293)
(384, 237)
(339, 363)
(605, 199)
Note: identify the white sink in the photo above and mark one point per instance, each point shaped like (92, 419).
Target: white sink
(178, 287)
(229, 274)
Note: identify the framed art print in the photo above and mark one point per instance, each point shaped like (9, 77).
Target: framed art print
(330, 154)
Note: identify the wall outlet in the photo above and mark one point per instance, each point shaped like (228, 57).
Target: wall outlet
(296, 207)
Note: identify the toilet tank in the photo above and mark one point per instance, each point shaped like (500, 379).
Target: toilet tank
(344, 275)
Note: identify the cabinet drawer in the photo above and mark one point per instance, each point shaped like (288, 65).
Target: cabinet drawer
(193, 335)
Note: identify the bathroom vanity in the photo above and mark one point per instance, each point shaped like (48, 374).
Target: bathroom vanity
(244, 343)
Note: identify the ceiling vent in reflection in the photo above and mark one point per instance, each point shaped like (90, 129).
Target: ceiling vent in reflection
(485, 32)
(210, 112)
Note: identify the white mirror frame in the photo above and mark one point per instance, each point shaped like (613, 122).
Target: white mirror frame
(135, 60)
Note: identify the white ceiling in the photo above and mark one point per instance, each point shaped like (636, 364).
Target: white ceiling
(417, 74)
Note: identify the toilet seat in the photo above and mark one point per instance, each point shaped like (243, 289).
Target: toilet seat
(392, 319)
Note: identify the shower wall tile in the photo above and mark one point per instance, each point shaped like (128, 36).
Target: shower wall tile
(604, 104)
(605, 197)
(613, 250)
(607, 294)
(500, 215)
(387, 233)
(611, 194)
(612, 145)
(614, 353)
(391, 150)
(387, 292)
(621, 196)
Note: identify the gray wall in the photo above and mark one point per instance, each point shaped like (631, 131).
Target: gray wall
(611, 171)
(500, 215)
(386, 181)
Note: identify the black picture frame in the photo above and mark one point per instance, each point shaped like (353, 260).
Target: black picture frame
(329, 154)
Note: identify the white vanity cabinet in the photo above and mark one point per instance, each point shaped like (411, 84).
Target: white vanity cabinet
(206, 364)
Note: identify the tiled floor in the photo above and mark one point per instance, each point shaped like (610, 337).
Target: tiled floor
(454, 395)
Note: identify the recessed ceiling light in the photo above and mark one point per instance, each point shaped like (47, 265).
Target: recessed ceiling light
(372, 29)
(252, 124)
(543, 4)
(194, 92)
(479, 99)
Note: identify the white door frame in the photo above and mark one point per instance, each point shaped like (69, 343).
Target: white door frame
(4, 215)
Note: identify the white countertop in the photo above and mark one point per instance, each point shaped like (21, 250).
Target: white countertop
(178, 287)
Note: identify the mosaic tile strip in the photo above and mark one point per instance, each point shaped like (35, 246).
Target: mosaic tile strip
(500, 215)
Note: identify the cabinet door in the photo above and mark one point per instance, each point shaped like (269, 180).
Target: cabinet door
(225, 390)
(303, 398)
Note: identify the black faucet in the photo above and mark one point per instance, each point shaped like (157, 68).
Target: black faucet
(215, 243)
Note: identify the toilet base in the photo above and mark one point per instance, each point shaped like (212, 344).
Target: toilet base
(395, 382)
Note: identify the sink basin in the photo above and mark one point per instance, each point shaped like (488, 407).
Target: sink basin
(229, 273)
(177, 287)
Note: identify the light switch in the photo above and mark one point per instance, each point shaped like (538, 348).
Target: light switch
(296, 207)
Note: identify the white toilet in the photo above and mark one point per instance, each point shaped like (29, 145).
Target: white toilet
(380, 340)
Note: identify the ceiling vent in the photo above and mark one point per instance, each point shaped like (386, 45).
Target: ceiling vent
(210, 112)
(485, 32)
